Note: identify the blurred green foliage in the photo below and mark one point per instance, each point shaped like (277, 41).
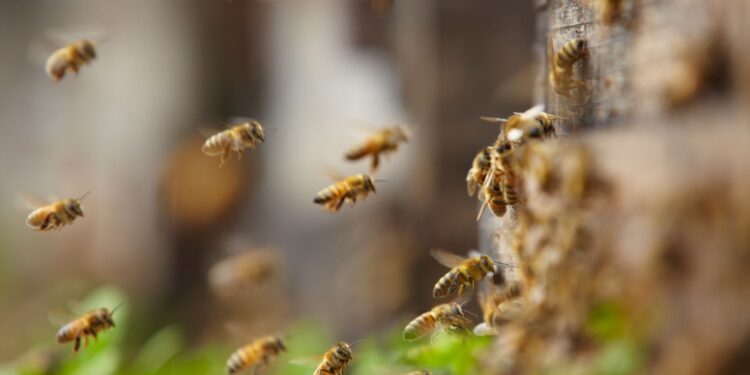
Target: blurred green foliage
(166, 352)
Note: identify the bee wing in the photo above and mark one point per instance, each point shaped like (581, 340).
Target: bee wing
(492, 119)
(307, 361)
(533, 112)
(484, 329)
(26, 201)
(446, 258)
(63, 37)
(332, 173)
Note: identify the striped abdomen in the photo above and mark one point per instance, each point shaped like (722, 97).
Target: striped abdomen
(217, 143)
(71, 331)
(243, 358)
(49, 217)
(447, 284)
(333, 192)
(420, 326)
(570, 52)
(335, 360)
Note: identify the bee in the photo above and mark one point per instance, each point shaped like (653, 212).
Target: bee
(521, 126)
(89, 324)
(243, 272)
(70, 57)
(465, 272)
(610, 11)
(382, 142)
(445, 317)
(498, 308)
(499, 188)
(234, 140)
(350, 188)
(256, 355)
(561, 69)
(335, 360)
(478, 172)
(55, 215)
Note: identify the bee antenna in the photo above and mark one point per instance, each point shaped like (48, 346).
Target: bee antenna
(117, 307)
(470, 313)
(356, 343)
(84, 195)
(379, 180)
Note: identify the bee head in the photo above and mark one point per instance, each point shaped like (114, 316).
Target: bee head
(256, 129)
(580, 45)
(535, 132)
(402, 133)
(343, 350)
(369, 185)
(74, 206)
(86, 48)
(456, 309)
(279, 344)
(486, 263)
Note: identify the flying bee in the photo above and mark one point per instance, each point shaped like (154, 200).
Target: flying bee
(499, 308)
(89, 324)
(335, 360)
(56, 215)
(561, 67)
(70, 57)
(244, 271)
(234, 140)
(383, 142)
(532, 124)
(256, 355)
(478, 172)
(444, 318)
(349, 188)
(465, 272)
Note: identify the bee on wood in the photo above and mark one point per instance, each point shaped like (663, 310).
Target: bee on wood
(561, 69)
(70, 58)
(499, 308)
(499, 187)
(350, 188)
(478, 172)
(89, 324)
(442, 318)
(56, 215)
(335, 360)
(234, 140)
(256, 355)
(465, 272)
(383, 142)
(521, 126)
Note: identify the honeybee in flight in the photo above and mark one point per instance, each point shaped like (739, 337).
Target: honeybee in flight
(335, 360)
(256, 355)
(243, 272)
(70, 57)
(478, 171)
(445, 318)
(465, 272)
(234, 140)
(56, 215)
(532, 124)
(498, 308)
(383, 142)
(89, 324)
(349, 188)
(561, 67)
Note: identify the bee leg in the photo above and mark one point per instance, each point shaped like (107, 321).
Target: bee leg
(461, 289)
(375, 161)
(86, 342)
(340, 203)
(77, 345)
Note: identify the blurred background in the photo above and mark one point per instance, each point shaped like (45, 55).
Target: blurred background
(321, 75)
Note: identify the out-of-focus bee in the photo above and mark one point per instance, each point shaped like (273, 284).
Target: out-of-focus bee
(499, 187)
(465, 272)
(478, 172)
(234, 140)
(610, 10)
(89, 324)
(561, 67)
(243, 272)
(335, 360)
(498, 308)
(350, 188)
(445, 318)
(70, 57)
(419, 372)
(383, 142)
(532, 124)
(256, 355)
(56, 215)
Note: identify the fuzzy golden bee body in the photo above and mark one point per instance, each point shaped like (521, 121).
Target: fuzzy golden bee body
(499, 308)
(445, 317)
(521, 126)
(90, 324)
(561, 69)
(256, 355)
(234, 140)
(480, 166)
(243, 272)
(70, 57)
(465, 272)
(335, 360)
(499, 188)
(350, 188)
(382, 142)
(55, 215)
